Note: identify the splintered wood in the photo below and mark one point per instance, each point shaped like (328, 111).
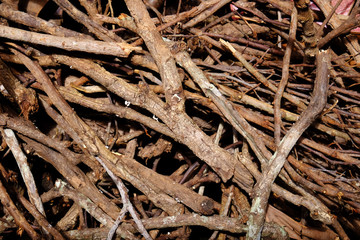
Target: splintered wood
(181, 119)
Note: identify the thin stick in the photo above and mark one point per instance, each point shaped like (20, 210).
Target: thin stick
(88, 205)
(327, 19)
(49, 27)
(126, 201)
(94, 27)
(116, 224)
(40, 218)
(26, 174)
(284, 77)
(208, 12)
(16, 214)
(345, 27)
(263, 188)
(225, 210)
(238, 122)
(259, 76)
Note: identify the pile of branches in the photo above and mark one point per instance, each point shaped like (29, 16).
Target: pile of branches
(179, 119)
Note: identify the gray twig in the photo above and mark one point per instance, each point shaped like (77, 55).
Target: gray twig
(263, 188)
(126, 201)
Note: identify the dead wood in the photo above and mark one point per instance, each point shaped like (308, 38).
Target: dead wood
(179, 119)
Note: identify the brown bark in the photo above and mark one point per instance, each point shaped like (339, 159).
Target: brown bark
(152, 121)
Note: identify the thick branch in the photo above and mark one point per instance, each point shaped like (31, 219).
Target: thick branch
(186, 131)
(160, 52)
(68, 43)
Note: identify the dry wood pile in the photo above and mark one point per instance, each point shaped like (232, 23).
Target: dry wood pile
(190, 119)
